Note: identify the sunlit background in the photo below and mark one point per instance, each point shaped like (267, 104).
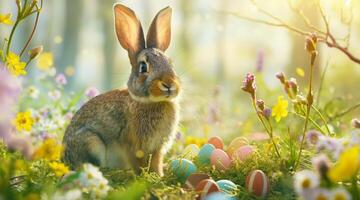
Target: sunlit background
(211, 48)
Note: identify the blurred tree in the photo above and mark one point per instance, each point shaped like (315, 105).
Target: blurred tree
(299, 56)
(70, 50)
(221, 43)
(185, 43)
(110, 41)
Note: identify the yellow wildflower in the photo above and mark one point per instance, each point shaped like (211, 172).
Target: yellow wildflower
(15, 66)
(300, 71)
(280, 109)
(45, 61)
(347, 165)
(59, 168)
(23, 121)
(6, 19)
(193, 140)
(49, 150)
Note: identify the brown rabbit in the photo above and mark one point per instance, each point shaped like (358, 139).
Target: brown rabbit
(128, 125)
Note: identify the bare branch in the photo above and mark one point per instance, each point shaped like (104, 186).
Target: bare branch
(325, 37)
(287, 26)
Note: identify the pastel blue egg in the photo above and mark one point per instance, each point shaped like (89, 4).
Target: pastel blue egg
(182, 168)
(219, 196)
(227, 187)
(205, 153)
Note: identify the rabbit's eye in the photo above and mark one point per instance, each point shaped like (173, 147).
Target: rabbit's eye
(143, 67)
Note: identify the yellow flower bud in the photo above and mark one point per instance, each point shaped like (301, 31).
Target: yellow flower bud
(35, 52)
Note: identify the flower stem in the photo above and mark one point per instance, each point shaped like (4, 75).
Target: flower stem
(11, 36)
(312, 121)
(308, 108)
(18, 19)
(32, 32)
(355, 189)
(270, 132)
(322, 118)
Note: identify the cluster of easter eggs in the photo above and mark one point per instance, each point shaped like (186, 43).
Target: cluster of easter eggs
(215, 154)
(256, 183)
(186, 172)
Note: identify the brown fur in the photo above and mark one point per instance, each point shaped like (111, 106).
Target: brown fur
(109, 129)
(134, 125)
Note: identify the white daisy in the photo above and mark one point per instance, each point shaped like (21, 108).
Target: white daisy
(340, 194)
(321, 194)
(305, 180)
(93, 182)
(33, 92)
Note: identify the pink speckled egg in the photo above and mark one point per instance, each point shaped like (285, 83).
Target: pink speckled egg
(217, 142)
(235, 144)
(243, 152)
(220, 159)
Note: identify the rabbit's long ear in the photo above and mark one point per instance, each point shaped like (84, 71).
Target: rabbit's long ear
(159, 33)
(128, 30)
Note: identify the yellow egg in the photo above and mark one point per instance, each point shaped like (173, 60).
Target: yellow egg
(190, 151)
(235, 144)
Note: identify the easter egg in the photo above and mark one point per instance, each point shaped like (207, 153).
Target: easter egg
(235, 144)
(220, 159)
(227, 187)
(219, 196)
(194, 179)
(243, 153)
(217, 142)
(190, 151)
(206, 187)
(257, 183)
(182, 168)
(205, 153)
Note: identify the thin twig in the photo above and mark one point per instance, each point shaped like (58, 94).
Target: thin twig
(299, 31)
(32, 32)
(324, 37)
(348, 110)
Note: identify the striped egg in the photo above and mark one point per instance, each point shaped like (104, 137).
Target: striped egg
(217, 142)
(227, 187)
(235, 144)
(182, 168)
(205, 153)
(220, 159)
(219, 196)
(243, 153)
(257, 183)
(206, 187)
(190, 151)
(194, 179)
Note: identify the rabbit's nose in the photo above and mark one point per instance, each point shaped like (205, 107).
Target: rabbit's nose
(165, 85)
